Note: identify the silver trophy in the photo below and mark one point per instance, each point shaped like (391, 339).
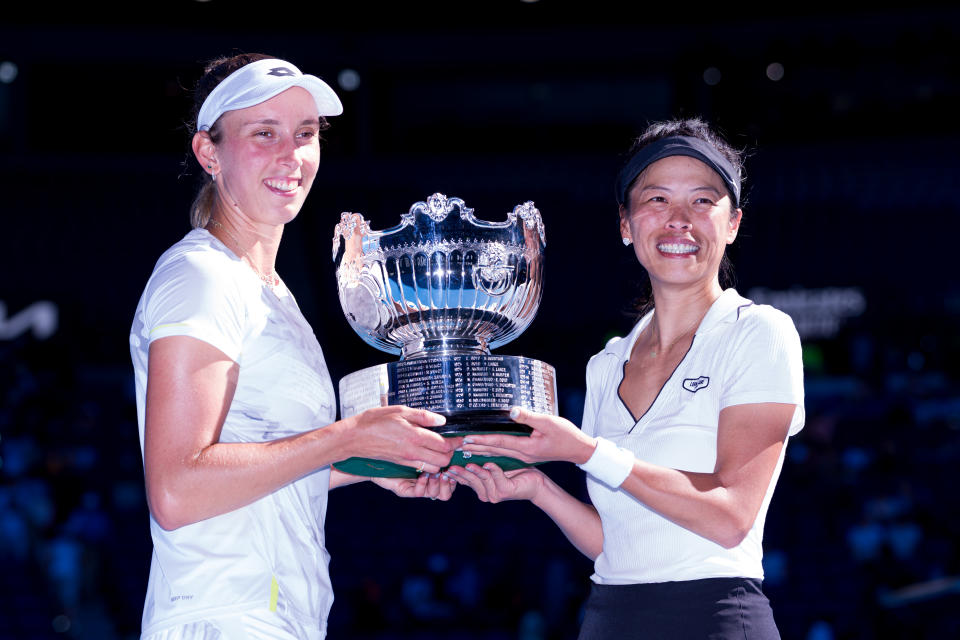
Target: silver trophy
(442, 289)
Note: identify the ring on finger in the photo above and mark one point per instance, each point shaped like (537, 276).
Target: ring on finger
(420, 468)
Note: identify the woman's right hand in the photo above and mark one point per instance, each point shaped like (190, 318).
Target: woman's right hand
(396, 434)
(493, 484)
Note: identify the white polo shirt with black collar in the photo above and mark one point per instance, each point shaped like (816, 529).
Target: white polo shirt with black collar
(742, 353)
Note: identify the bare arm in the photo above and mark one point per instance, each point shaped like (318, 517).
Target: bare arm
(578, 520)
(191, 475)
(341, 479)
(720, 506)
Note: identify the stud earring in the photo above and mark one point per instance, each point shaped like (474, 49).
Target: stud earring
(627, 242)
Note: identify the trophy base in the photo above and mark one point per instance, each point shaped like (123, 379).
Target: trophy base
(474, 392)
(372, 468)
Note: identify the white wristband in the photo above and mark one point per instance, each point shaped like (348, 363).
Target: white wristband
(609, 463)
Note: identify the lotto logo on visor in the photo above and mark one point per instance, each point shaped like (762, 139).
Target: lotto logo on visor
(695, 384)
(258, 82)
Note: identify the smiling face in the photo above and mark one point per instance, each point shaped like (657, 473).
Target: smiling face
(680, 222)
(267, 156)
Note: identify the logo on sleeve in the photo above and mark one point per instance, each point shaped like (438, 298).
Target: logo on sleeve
(281, 71)
(695, 384)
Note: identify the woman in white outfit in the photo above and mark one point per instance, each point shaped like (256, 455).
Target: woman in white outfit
(686, 419)
(236, 409)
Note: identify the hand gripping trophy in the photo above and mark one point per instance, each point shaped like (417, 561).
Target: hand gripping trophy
(442, 289)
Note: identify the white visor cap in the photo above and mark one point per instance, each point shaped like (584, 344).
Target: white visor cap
(258, 82)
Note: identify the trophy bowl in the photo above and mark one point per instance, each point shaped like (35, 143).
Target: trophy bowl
(441, 289)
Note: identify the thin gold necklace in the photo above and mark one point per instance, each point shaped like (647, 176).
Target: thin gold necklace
(654, 352)
(685, 334)
(270, 279)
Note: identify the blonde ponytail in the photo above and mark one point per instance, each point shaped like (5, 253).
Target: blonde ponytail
(202, 207)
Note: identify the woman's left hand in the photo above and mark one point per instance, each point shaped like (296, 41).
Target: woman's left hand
(493, 484)
(427, 485)
(553, 438)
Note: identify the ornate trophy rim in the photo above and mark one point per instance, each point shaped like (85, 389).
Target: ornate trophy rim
(408, 275)
(437, 207)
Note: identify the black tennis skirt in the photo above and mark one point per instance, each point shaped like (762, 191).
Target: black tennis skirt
(712, 608)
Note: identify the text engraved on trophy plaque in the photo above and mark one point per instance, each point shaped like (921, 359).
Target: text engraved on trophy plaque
(465, 382)
(419, 383)
(537, 386)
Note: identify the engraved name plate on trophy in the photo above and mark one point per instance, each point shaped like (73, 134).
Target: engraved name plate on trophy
(442, 289)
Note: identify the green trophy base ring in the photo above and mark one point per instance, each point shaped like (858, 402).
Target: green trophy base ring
(372, 468)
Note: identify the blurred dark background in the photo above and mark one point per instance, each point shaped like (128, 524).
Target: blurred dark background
(850, 118)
